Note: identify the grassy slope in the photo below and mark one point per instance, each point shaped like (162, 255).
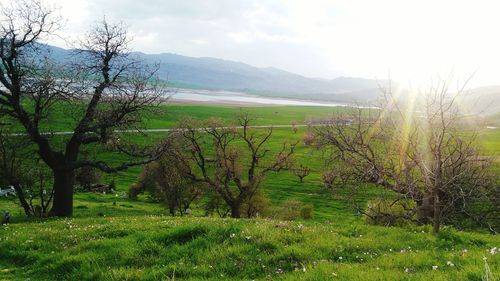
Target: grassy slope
(113, 238)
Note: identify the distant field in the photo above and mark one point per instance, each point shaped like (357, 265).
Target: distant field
(114, 238)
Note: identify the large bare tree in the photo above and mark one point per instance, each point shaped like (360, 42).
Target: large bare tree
(106, 89)
(421, 147)
(232, 160)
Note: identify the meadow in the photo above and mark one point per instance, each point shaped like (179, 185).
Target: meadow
(112, 237)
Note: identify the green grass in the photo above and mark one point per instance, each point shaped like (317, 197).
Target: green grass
(114, 238)
(153, 247)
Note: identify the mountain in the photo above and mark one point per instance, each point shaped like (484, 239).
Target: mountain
(218, 74)
(212, 73)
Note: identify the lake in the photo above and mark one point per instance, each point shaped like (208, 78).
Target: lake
(210, 96)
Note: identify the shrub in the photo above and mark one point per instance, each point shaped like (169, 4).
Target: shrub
(389, 212)
(258, 206)
(294, 209)
(308, 138)
(134, 190)
(86, 177)
(307, 211)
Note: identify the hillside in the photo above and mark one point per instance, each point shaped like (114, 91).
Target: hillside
(156, 247)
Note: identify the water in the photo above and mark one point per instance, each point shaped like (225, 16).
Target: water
(237, 97)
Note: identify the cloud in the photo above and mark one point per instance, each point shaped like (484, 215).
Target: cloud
(414, 40)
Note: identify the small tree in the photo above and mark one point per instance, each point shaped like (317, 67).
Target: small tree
(233, 161)
(167, 181)
(301, 172)
(329, 178)
(294, 127)
(308, 138)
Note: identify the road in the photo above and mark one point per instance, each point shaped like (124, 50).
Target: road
(173, 129)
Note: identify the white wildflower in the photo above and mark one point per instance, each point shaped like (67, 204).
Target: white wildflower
(494, 250)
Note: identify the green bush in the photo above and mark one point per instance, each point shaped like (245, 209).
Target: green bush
(134, 190)
(258, 206)
(307, 211)
(294, 209)
(389, 212)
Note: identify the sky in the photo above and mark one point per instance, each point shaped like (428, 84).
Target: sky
(411, 42)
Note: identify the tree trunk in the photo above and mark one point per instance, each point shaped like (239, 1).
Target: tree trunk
(63, 193)
(425, 209)
(22, 199)
(236, 211)
(436, 221)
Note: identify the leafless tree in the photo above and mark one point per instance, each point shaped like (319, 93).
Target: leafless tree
(301, 172)
(422, 149)
(107, 90)
(233, 161)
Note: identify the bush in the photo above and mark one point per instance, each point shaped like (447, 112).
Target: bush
(86, 177)
(258, 206)
(308, 138)
(134, 190)
(294, 209)
(389, 212)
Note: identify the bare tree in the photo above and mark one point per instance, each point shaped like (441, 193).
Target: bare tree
(301, 172)
(423, 150)
(107, 89)
(233, 161)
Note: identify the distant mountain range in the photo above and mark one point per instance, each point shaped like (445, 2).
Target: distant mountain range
(218, 74)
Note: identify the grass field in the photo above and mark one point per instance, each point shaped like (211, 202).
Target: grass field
(114, 238)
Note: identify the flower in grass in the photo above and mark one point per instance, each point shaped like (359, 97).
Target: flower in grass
(484, 258)
(340, 258)
(232, 235)
(434, 267)
(449, 263)
(279, 271)
(494, 250)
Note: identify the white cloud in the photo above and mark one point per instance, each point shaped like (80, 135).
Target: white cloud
(413, 40)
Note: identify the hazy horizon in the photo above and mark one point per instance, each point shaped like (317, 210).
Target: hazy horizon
(410, 42)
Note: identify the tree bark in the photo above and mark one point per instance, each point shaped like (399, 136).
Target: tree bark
(236, 211)
(436, 221)
(63, 193)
